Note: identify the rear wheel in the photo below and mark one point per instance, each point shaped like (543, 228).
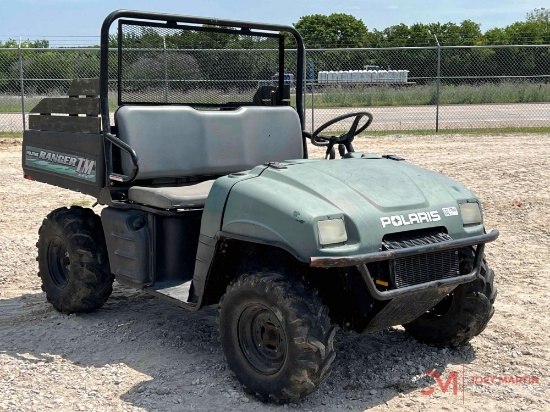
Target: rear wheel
(461, 315)
(72, 260)
(276, 335)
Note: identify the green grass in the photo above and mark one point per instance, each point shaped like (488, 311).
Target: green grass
(10, 104)
(493, 131)
(11, 135)
(480, 131)
(82, 203)
(349, 96)
(506, 92)
(414, 95)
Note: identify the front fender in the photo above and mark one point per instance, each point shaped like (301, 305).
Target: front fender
(277, 214)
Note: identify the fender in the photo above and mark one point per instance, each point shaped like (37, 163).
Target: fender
(211, 225)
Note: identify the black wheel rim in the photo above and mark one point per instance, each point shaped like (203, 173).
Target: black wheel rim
(59, 262)
(442, 308)
(262, 339)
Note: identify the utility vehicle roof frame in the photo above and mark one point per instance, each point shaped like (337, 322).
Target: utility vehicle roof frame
(171, 21)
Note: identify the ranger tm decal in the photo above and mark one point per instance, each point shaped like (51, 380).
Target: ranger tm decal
(57, 162)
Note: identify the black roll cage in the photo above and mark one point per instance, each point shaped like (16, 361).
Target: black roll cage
(172, 20)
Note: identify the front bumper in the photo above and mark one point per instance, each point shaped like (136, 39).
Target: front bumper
(361, 260)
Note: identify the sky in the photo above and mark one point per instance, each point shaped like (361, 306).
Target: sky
(48, 18)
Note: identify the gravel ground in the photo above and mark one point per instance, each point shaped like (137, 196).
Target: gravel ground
(140, 353)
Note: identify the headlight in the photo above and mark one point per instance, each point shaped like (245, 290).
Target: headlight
(471, 213)
(332, 231)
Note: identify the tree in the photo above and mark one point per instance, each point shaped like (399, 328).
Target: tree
(9, 61)
(496, 36)
(27, 44)
(529, 32)
(396, 36)
(420, 35)
(336, 30)
(470, 33)
(541, 15)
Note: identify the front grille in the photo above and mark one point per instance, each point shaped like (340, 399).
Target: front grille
(423, 268)
(415, 238)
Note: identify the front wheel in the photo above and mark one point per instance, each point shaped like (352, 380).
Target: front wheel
(276, 336)
(461, 315)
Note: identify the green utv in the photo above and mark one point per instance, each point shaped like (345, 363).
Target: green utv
(210, 198)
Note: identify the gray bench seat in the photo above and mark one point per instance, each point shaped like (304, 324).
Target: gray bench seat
(179, 141)
(192, 196)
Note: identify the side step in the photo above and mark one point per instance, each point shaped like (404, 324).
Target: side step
(176, 292)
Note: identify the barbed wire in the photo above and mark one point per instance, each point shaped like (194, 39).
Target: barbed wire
(384, 41)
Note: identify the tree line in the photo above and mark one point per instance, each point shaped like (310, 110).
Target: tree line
(338, 30)
(467, 65)
(344, 30)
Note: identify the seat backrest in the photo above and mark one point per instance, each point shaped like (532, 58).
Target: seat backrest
(177, 141)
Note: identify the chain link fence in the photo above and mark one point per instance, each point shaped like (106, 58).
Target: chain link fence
(413, 88)
(11, 100)
(432, 88)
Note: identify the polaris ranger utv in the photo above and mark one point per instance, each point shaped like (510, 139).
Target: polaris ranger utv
(210, 198)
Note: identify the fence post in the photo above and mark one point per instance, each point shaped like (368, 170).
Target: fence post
(22, 84)
(438, 83)
(311, 80)
(165, 70)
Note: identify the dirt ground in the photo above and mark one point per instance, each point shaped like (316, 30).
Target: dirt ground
(140, 353)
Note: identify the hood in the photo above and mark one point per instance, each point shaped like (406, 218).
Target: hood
(387, 185)
(383, 183)
(374, 196)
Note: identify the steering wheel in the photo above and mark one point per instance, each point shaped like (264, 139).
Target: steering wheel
(344, 140)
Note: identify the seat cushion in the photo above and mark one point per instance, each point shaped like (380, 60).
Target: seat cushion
(179, 141)
(172, 197)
